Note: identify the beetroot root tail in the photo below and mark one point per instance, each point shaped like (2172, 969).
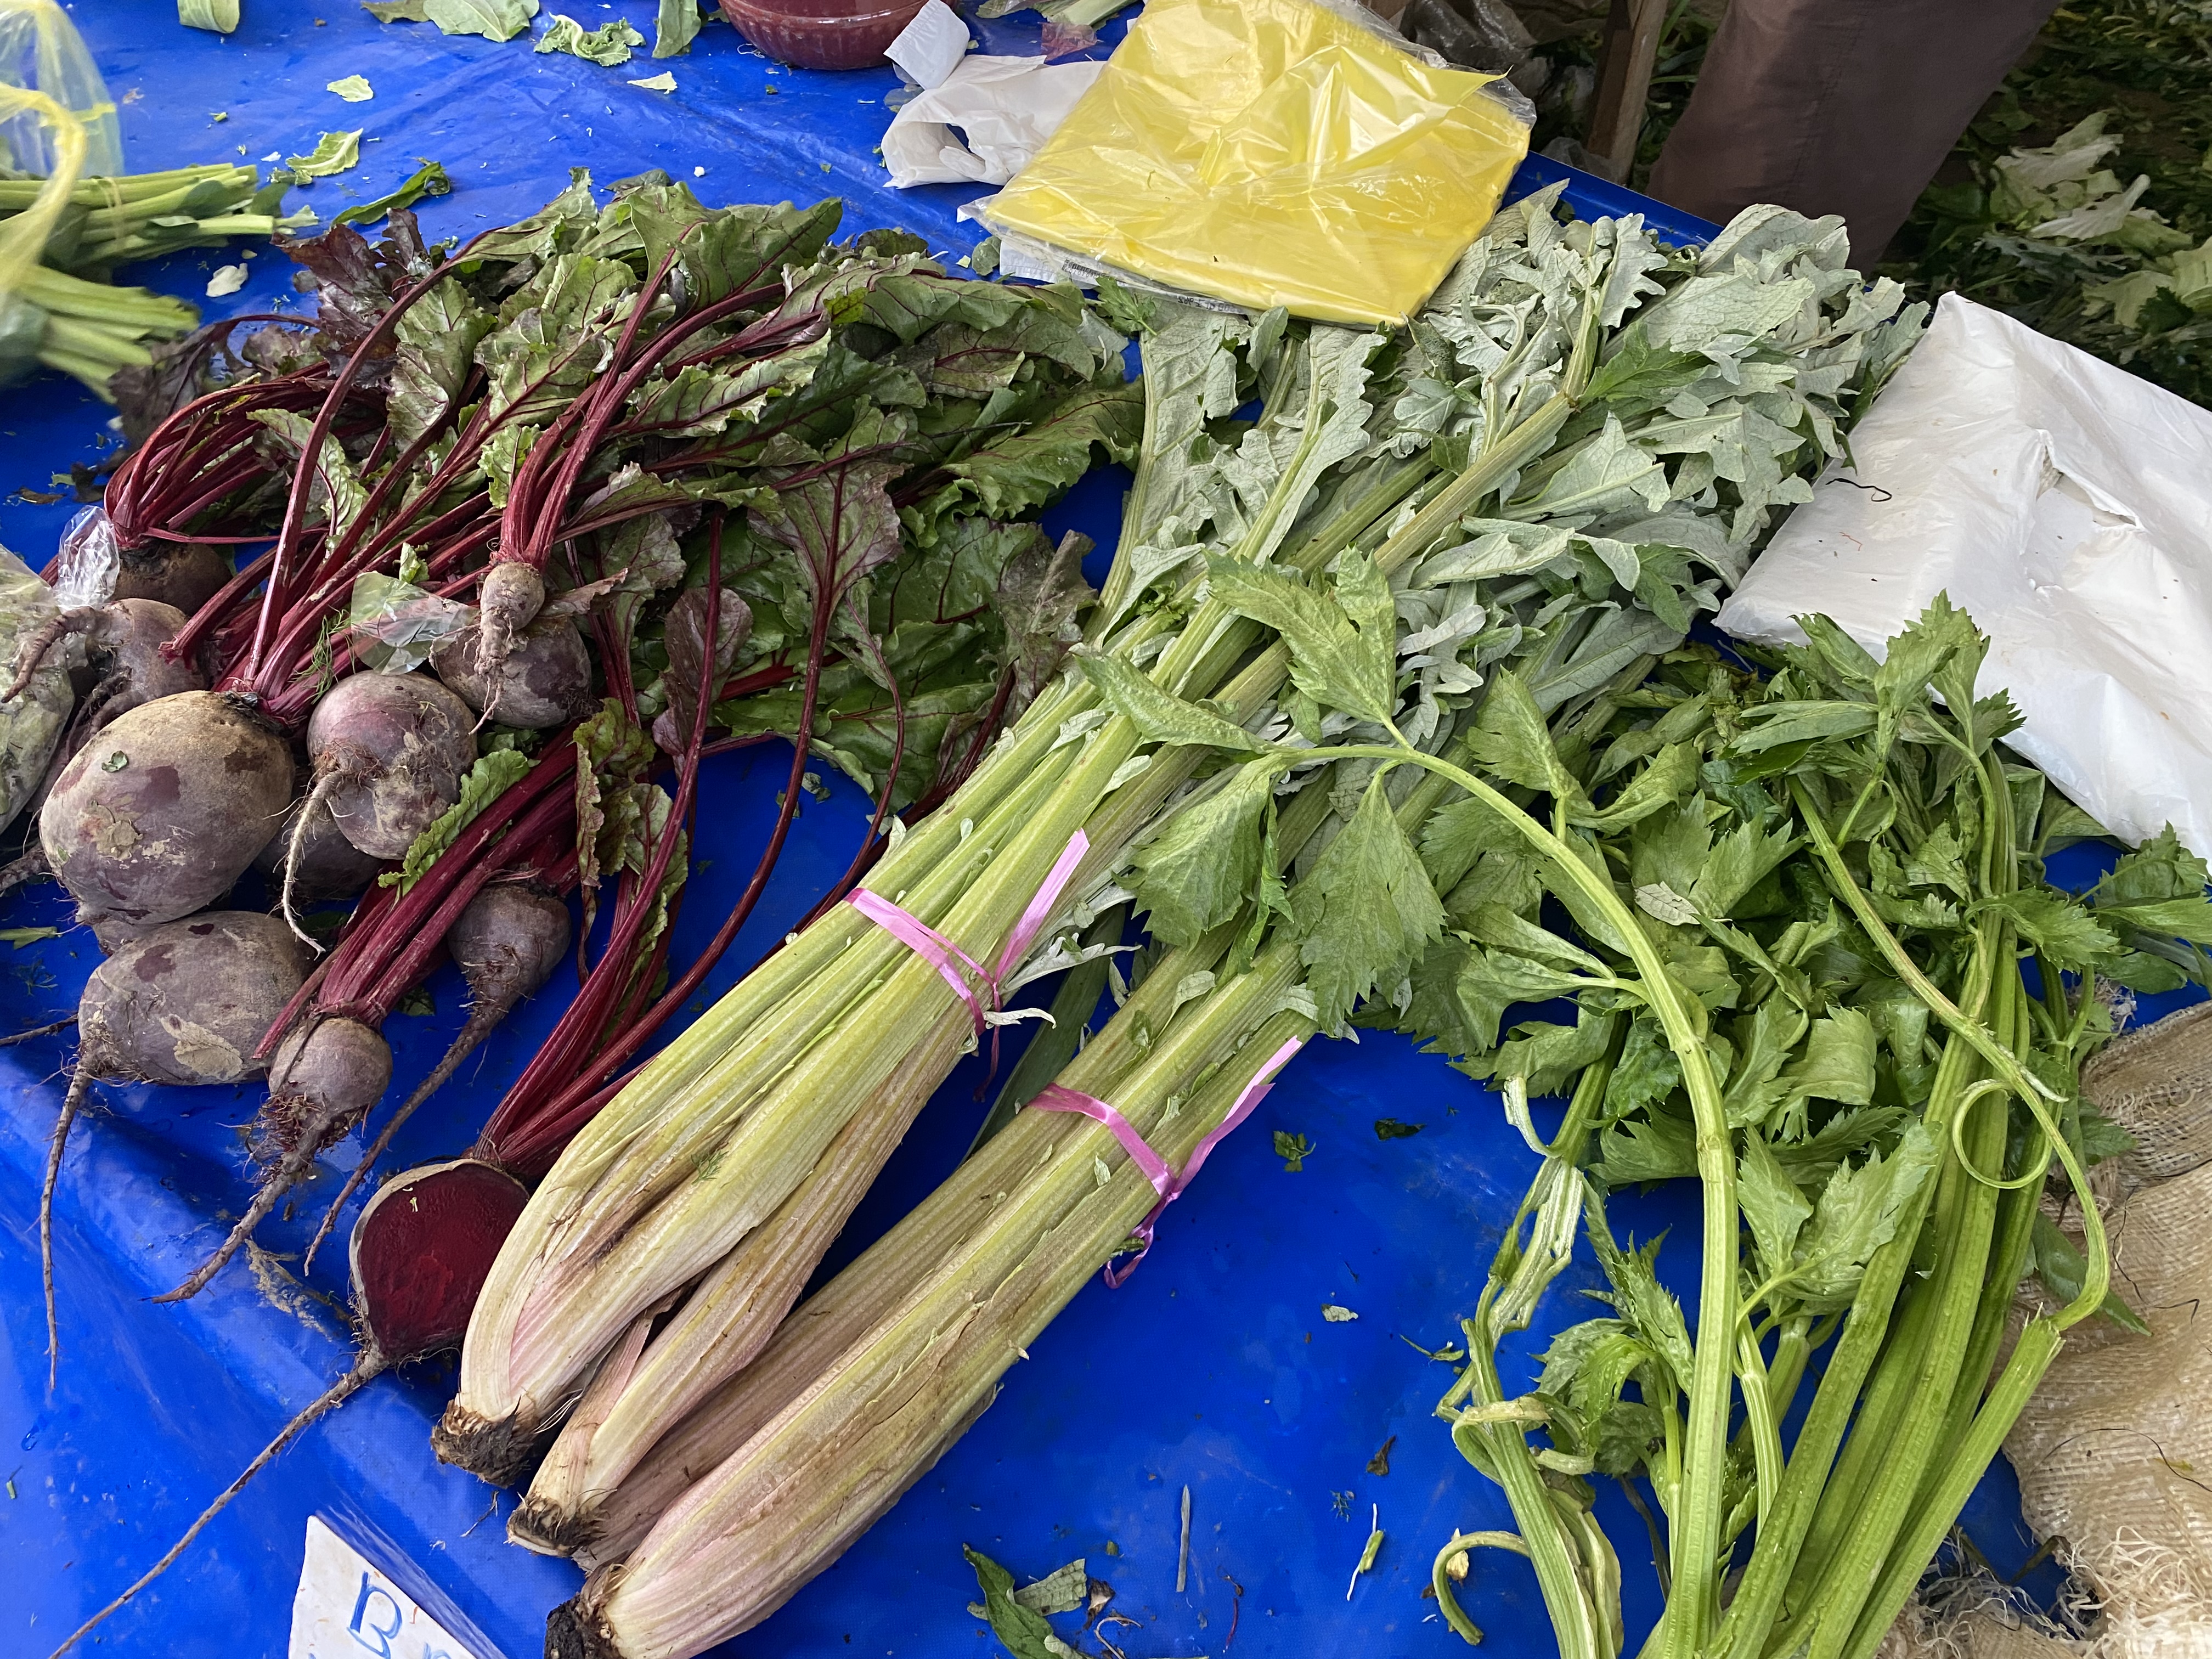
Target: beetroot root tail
(480, 1022)
(325, 783)
(71, 1104)
(320, 1130)
(369, 1367)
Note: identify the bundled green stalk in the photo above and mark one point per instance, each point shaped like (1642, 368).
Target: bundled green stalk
(1839, 873)
(1521, 383)
(63, 314)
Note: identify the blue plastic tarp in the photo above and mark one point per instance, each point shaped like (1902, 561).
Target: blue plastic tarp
(1211, 1369)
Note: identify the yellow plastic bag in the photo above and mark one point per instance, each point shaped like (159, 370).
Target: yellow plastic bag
(1270, 151)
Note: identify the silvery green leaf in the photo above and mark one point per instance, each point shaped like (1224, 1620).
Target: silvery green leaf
(1776, 234)
(1608, 473)
(1577, 660)
(1707, 309)
(1348, 668)
(1276, 466)
(1159, 714)
(1695, 533)
(1658, 900)
(1618, 557)
(1635, 255)
(1500, 547)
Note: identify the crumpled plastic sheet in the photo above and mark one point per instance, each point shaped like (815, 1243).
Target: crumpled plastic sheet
(2061, 502)
(1272, 153)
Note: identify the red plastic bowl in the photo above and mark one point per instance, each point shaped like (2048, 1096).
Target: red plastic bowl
(822, 34)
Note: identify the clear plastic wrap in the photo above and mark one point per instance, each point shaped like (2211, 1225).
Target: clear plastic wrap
(88, 561)
(1271, 152)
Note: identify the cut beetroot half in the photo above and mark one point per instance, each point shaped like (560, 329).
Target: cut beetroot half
(423, 1249)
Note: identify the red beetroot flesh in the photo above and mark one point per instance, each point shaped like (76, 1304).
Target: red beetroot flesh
(423, 1249)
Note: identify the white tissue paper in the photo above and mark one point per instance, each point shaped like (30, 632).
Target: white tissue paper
(2067, 506)
(929, 48)
(982, 123)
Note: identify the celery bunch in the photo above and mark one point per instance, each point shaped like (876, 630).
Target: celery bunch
(1517, 481)
(1843, 870)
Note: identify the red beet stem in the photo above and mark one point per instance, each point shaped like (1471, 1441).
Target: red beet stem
(526, 1129)
(594, 1021)
(290, 534)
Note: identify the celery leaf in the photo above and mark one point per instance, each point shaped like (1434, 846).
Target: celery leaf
(1366, 911)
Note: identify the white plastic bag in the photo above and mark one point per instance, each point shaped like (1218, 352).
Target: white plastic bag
(2067, 506)
(983, 123)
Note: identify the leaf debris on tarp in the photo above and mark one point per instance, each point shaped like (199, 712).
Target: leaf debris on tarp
(19, 937)
(396, 11)
(220, 16)
(1020, 1626)
(1336, 1314)
(227, 279)
(1380, 1463)
(495, 20)
(664, 81)
(676, 28)
(609, 45)
(428, 179)
(354, 88)
(1293, 1150)
(1367, 1555)
(334, 152)
(1389, 1128)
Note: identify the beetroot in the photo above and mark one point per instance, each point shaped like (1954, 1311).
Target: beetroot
(325, 1076)
(390, 751)
(508, 598)
(325, 864)
(507, 944)
(185, 574)
(124, 642)
(187, 1003)
(160, 814)
(545, 681)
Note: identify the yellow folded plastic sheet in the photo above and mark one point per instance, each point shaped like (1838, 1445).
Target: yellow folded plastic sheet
(1269, 152)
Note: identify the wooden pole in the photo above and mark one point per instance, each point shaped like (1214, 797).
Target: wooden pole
(1624, 84)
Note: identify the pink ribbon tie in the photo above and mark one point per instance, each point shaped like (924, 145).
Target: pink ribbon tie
(949, 958)
(1170, 1186)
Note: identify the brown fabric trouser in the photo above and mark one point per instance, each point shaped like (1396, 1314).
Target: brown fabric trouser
(1839, 105)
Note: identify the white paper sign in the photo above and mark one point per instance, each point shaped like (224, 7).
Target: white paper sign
(346, 1608)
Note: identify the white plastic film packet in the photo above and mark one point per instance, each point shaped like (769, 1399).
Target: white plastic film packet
(2066, 506)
